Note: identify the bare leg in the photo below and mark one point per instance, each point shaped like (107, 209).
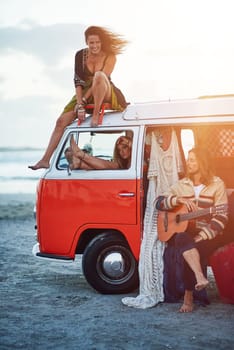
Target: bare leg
(101, 91)
(188, 302)
(88, 161)
(75, 164)
(64, 120)
(76, 151)
(74, 156)
(192, 258)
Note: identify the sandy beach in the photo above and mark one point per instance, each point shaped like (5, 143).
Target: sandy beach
(47, 305)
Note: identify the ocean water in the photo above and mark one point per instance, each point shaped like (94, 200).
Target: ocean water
(17, 182)
(15, 177)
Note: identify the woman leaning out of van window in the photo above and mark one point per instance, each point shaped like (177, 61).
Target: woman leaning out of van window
(79, 159)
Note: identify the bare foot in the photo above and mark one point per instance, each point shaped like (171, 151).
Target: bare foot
(81, 114)
(94, 121)
(40, 165)
(75, 163)
(186, 308)
(77, 152)
(188, 302)
(201, 284)
(68, 154)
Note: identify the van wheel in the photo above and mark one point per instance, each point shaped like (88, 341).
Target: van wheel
(109, 266)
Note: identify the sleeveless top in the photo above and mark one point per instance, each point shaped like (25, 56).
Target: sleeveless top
(83, 77)
(82, 72)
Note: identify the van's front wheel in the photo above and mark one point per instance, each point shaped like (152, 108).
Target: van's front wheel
(109, 266)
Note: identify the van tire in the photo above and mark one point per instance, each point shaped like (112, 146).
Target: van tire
(109, 265)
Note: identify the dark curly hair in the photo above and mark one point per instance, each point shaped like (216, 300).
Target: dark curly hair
(205, 164)
(112, 43)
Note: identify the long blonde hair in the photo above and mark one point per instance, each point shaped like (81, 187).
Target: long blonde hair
(112, 43)
(122, 140)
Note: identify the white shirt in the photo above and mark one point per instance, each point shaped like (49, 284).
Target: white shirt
(198, 189)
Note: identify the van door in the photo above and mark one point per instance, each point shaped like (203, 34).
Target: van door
(74, 201)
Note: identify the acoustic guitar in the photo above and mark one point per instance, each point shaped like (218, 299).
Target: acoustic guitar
(170, 222)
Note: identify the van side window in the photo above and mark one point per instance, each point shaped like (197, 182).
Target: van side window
(99, 144)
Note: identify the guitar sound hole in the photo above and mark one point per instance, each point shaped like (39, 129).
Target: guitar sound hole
(177, 218)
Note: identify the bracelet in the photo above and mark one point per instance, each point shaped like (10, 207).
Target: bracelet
(84, 100)
(80, 106)
(80, 109)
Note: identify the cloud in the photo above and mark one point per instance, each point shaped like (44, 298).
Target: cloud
(170, 55)
(38, 60)
(29, 120)
(48, 43)
(36, 77)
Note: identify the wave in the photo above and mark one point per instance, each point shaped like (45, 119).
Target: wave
(17, 206)
(19, 211)
(19, 155)
(17, 177)
(21, 149)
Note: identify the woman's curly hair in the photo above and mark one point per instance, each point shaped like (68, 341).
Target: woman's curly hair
(112, 43)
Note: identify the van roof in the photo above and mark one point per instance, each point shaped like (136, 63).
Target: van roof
(205, 109)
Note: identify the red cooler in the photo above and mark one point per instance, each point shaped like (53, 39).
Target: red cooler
(222, 263)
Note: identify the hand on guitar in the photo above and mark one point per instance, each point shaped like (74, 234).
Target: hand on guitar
(191, 206)
(197, 238)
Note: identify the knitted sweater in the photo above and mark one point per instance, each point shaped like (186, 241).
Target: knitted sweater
(212, 195)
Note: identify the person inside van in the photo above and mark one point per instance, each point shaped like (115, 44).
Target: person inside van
(93, 85)
(78, 159)
(199, 190)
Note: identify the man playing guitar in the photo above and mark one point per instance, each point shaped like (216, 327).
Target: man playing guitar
(204, 197)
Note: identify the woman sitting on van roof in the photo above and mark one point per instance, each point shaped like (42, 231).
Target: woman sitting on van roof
(92, 78)
(78, 159)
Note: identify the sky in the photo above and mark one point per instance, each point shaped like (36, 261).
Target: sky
(177, 49)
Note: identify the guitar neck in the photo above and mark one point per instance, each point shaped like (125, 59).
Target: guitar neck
(196, 214)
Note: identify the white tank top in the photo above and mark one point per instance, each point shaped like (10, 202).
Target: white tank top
(198, 189)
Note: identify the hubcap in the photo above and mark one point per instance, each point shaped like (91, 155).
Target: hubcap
(114, 265)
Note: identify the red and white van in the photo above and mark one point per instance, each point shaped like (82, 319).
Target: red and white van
(99, 213)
